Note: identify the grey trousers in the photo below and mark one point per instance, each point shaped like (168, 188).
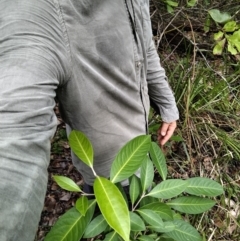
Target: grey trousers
(28, 82)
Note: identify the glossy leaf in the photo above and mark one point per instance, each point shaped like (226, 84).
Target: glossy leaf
(113, 236)
(167, 227)
(230, 26)
(162, 209)
(112, 206)
(172, 3)
(137, 223)
(218, 48)
(169, 188)
(218, 36)
(219, 17)
(145, 238)
(159, 160)
(130, 158)
(184, 231)
(170, 9)
(134, 189)
(191, 204)
(147, 174)
(71, 225)
(203, 186)
(191, 3)
(66, 183)
(164, 237)
(231, 49)
(207, 24)
(82, 147)
(152, 218)
(82, 205)
(95, 227)
(147, 200)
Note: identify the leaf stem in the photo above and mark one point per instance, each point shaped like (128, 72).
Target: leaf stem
(140, 199)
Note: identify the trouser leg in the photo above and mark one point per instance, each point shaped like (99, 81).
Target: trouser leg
(28, 79)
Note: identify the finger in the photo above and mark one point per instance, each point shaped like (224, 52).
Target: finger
(169, 133)
(164, 128)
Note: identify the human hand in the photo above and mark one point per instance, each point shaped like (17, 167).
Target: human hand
(165, 132)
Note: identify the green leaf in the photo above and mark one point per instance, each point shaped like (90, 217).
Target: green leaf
(134, 189)
(176, 138)
(71, 225)
(145, 238)
(169, 188)
(218, 36)
(158, 160)
(231, 48)
(219, 17)
(191, 204)
(237, 34)
(238, 47)
(66, 183)
(82, 147)
(137, 223)
(112, 206)
(230, 26)
(153, 128)
(218, 48)
(177, 216)
(191, 3)
(162, 209)
(82, 205)
(184, 231)
(164, 237)
(147, 173)
(207, 24)
(95, 227)
(172, 3)
(152, 218)
(167, 227)
(203, 186)
(113, 236)
(147, 200)
(130, 158)
(234, 39)
(170, 9)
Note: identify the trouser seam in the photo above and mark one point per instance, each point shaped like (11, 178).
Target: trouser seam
(65, 36)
